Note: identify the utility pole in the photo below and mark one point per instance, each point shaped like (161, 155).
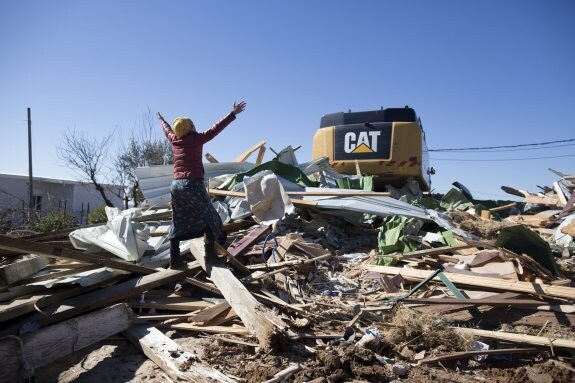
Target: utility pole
(31, 179)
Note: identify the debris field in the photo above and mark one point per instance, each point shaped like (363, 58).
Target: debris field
(320, 280)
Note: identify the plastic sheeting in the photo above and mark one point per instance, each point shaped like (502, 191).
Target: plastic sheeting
(120, 236)
(267, 197)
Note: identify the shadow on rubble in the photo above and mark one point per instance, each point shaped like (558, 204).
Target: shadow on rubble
(111, 360)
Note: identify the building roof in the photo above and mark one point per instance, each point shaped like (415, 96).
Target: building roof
(45, 179)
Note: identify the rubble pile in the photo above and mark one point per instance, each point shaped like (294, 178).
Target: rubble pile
(320, 280)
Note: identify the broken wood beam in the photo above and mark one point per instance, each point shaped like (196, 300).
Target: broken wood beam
(22, 268)
(480, 301)
(171, 304)
(250, 278)
(108, 295)
(20, 355)
(322, 193)
(267, 326)
(240, 245)
(478, 281)
(208, 314)
(560, 195)
(178, 363)
(430, 252)
(542, 200)
(244, 156)
(203, 285)
(233, 260)
(517, 338)
(502, 207)
(211, 158)
(260, 157)
(24, 305)
(238, 225)
(228, 330)
(29, 247)
(226, 193)
(285, 373)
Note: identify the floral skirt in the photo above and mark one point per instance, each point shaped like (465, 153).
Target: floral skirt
(193, 214)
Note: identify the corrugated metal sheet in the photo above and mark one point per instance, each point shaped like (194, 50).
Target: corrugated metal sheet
(155, 180)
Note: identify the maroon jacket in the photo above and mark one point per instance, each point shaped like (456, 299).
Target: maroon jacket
(188, 150)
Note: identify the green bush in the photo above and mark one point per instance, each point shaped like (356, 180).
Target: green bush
(98, 215)
(54, 220)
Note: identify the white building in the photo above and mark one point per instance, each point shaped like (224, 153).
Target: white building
(76, 198)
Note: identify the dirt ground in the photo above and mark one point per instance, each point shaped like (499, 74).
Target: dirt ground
(115, 360)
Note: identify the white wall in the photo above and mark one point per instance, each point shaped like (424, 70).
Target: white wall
(72, 196)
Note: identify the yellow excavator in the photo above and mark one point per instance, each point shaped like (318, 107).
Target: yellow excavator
(388, 144)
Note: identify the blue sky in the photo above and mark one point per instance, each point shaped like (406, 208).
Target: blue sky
(478, 73)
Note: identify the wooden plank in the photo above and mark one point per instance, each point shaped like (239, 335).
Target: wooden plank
(58, 274)
(484, 282)
(223, 318)
(530, 220)
(25, 247)
(211, 158)
(540, 318)
(503, 207)
(178, 363)
(284, 246)
(28, 304)
(163, 317)
(478, 301)
(240, 245)
(226, 193)
(244, 156)
(282, 288)
(250, 278)
(62, 233)
(516, 192)
(210, 329)
(22, 268)
(560, 196)
(284, 374)
(541, 200)
(238, 225)
(109, 295)
(312, 249)
(173, 304)
(203, 285)
(208, 314)
(260, 156)
(430, 252)
(21, 355)
(267, 326)
(233, 261)
(272, 298)
(517, 338)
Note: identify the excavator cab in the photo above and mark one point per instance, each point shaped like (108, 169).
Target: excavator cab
(388, 144)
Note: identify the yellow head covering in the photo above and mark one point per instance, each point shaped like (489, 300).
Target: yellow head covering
(182, 126)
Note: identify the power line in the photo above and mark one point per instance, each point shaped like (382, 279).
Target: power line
(502, 159)
(517, 149)
(501, 146)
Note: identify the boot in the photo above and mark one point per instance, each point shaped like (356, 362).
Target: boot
(176, 261)
(222, 239)
(210, 251)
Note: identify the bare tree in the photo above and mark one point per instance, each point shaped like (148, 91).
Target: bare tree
(143, 148)
(86, 157)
